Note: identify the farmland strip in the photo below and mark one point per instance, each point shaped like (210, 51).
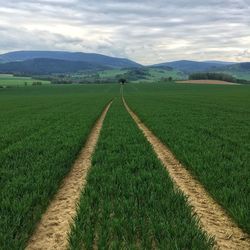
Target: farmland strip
(212, 217)
(129, 201)
(208, 130)
(52, 231)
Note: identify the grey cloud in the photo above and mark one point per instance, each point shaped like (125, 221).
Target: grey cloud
(146, 31)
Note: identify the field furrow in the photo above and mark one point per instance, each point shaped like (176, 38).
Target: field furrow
(129, 201)
(32, 168)
(208, 130)
(52, 230)
(212, 217)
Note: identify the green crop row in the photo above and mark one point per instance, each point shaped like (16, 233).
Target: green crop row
(129, 201)
(208, 129)
(42, 130)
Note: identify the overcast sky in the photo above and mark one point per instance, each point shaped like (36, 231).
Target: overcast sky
(145, 31)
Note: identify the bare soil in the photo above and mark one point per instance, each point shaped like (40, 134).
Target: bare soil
(212, 217)
(208, 82)
(52, 231)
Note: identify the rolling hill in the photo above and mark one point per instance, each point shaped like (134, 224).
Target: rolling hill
(108, 61)
(49, 62)
(238, 70)
(239, 66)
(219, 62)
(43, 66)
(191, 66)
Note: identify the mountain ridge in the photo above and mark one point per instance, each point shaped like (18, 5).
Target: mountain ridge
(189, 66)
(114, 62)
(43, 66)
(49, 62)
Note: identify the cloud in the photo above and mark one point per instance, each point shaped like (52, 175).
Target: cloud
(142, 30)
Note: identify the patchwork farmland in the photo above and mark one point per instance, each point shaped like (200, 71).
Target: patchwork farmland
(140, 166)
(9, 80)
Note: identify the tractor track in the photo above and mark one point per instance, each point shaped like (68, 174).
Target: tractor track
(212, 217)
(53, 229)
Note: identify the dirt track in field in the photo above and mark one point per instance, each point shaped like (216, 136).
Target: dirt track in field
(213, 219)
(208, 82)
(52, 231)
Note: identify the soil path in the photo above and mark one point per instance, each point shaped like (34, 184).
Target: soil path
(52, 231)
(213, 219)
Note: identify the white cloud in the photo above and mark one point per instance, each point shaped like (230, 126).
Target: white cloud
(146, 31)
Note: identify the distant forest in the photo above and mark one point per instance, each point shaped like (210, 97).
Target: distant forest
(216, 76)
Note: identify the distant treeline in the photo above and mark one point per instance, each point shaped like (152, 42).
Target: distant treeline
(67, 79)
(217, 76)
(95, 77)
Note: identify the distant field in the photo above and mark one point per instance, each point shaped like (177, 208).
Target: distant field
(111, 73)
(10, 80)
(100, 74)
(144, 75)
(211, 82)
(156, 74)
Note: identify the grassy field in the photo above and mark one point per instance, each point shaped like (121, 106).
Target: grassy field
(42, 130)
(10, 80)
(129, 201)
(208, 129)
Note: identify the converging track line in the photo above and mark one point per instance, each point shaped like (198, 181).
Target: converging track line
(52, 231)
(212, 217)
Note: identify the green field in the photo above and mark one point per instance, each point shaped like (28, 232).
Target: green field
(208, 129)
(42, 130)
(129, 201)
(13, 81)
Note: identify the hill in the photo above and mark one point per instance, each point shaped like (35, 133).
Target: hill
(238, 70)
(190, 66)
(43, 66)
(114, 62)
(49, 62)
(219, 62)
(239, 66)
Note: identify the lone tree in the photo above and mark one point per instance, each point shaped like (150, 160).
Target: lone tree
(122, 81)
